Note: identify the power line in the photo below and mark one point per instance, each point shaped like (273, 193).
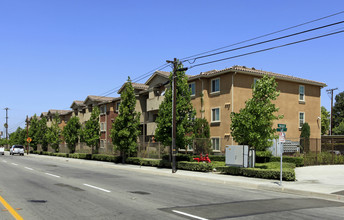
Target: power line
(271, 48)
(267, 41)
(137, 79)
(275, 32)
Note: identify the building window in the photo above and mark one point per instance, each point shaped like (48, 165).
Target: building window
(215, 115)
(215, 85)
(117, 106)
(103, 126)
(102, 143)
(192, 87)
(103, 109)
(255, 80)
(301, 119)
(215, 142)
(301, 93)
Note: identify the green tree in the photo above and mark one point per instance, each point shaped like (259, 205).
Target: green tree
(184, 114)
(325, 121)
(339, 130)
(253, 124)
(33, 132)
(202, 143)
(17, 137)
(91, 131)
(338, 109)
(125, 129)
(71, 133)
(42, 134)
(54, 133)
(305, 134)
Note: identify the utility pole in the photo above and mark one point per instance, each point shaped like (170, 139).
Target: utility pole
(173, 147)
(27, 135)
(330, 91)
(175, 63)
(6, 126)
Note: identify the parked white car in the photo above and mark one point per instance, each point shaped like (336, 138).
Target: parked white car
(2, 151)
(17, 149)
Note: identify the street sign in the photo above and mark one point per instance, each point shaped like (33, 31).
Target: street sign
(282, 125)
(281, 137)
(29, 139)
(280, 129)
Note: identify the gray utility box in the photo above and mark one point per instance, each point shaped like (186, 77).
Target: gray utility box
(240, 156)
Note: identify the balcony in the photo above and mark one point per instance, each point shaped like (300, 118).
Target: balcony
(154, 103)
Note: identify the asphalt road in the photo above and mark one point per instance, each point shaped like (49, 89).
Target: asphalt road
(46, 188)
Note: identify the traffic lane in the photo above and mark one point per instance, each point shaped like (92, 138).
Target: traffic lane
(46, 197)
(185, 193)
(288, 208)
(123, 181)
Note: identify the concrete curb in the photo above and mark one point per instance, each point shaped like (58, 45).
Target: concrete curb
(245, 182)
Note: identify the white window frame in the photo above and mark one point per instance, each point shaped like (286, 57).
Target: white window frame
(212, 144)
(193, 84)
(117, 106)
(103, 109)
(303, 120)
(103, 126)
(102, 143)
(212, 111)
(303, 93)
(212, 89)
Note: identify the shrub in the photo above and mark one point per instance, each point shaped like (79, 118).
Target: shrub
(288, 174)
(298, 161)
(217, 158)
(195, 166)
(179, 157)
(263, 156)
(104, 157)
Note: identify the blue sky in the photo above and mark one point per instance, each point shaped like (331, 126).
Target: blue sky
(55, 52)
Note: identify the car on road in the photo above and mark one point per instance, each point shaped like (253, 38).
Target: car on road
(17, 149)
(2, 150)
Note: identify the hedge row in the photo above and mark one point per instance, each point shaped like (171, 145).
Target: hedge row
(288, 174)
(298, 161)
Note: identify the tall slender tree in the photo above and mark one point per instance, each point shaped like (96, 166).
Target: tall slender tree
(42, 134)
(125, 129)
(185, 113)
(54, 133)
(91, 131)
(325, 120)
(338, 109)
(253, 124)
(71, 133)
(33, 132)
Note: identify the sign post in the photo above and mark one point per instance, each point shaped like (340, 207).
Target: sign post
(281, 127)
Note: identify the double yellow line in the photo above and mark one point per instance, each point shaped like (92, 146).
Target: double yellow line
(10, 209)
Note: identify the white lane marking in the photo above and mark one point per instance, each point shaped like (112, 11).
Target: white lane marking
(52, 175)
(189, 215)
(105, 190)
(5, 161)
(15, 164)
(28, 168)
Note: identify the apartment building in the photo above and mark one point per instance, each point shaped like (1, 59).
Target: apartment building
(217, 93)
(64, 116)
(225, 91)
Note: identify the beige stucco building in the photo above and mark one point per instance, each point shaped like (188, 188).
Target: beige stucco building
(215, 95)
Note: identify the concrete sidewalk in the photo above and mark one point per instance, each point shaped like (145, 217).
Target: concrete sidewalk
(325, 182)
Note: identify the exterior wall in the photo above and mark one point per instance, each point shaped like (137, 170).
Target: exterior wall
(288, 102)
